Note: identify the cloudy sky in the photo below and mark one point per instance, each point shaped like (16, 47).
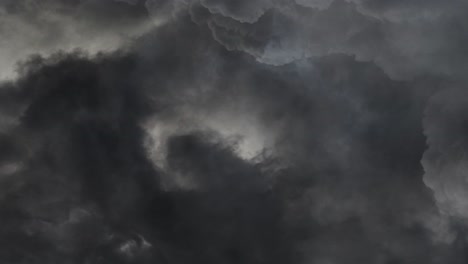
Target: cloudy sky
(233, 131)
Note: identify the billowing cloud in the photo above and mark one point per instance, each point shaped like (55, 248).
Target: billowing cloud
(45, 27)
(444, 161)
(402, 37)
(211, 131)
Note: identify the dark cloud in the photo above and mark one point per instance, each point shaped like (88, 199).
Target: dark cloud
(405, 38)
(30, 27)
(235, 132)
(444, 161)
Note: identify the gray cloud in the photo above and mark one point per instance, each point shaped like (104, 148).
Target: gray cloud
(403, 38)
(247, 132)
(45, 27)
(444, 161)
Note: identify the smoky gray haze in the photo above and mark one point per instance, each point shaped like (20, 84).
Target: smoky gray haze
(233, 131)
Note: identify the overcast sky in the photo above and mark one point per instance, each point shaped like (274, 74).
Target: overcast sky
(233, 131)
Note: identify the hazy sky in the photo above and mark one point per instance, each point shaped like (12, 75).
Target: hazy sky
(233, 131)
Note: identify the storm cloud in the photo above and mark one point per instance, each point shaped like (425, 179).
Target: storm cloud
(221, 131)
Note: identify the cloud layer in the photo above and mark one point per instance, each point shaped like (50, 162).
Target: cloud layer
(216, 131)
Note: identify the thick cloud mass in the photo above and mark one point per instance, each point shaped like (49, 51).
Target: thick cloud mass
(219, 131)
(47, 26)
